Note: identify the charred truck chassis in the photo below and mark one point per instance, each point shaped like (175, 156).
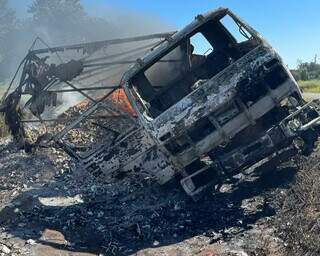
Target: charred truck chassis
(240, 106)
(206, 111)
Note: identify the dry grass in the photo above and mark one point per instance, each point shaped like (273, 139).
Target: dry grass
(310, 86)
(299, 219)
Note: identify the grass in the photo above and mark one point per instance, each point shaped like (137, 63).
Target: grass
(299, 219)
(310, 86)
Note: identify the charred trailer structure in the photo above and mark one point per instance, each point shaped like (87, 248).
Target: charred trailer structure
(212, 100)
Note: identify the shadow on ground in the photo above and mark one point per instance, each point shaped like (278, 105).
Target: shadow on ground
(128, 216)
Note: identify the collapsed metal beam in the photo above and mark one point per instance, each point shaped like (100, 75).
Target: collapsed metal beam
(102, 64)
(99, 44)
(112, 56)
(109, 63)
(88, 89)
(81, 92)
(85, 115)
(81, 89)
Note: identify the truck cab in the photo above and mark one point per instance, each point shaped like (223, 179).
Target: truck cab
(209, 95)
(211, 100)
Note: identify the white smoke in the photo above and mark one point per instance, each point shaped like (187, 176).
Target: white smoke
(111, 23)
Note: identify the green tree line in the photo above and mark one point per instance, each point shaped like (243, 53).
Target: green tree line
(306, 71)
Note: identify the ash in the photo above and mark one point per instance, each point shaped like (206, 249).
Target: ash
(48, 207)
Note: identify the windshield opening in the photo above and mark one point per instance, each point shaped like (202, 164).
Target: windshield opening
(204, 53)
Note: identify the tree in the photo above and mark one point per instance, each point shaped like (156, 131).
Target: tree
(308, 70)
(296, 74)
(7, 19)
(60, 21)
(50, 9)
(8, 24)
(304, 75)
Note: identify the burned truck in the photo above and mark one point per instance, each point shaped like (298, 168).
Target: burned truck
(210, 101)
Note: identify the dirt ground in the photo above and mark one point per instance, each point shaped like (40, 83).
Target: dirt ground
(46, 208)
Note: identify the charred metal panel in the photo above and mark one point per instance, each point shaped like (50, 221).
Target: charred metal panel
(116, 157)
(211, 95)
(136, 152)
(234, 126)
(278, 137)
(154, 162)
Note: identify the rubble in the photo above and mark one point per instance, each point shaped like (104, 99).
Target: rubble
(31, 242)
(131, 215)
(5, 249)
(105, 180)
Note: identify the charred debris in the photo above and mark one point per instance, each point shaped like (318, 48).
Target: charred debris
(202, 105)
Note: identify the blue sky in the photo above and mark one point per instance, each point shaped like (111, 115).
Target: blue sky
(291, 26)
